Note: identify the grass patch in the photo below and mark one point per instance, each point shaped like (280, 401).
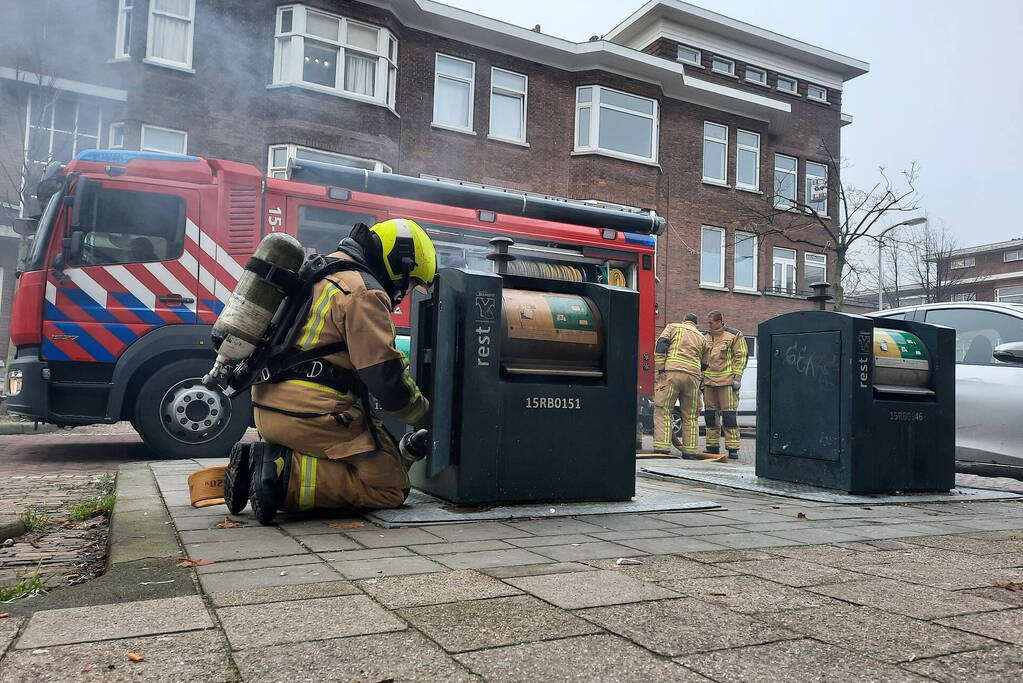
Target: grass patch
(92, 508)
(105, 483)
(34, 520)
(28, 585)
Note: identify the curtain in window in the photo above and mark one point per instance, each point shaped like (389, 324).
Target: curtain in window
(170, 39)
(360, 74)
(452, 103)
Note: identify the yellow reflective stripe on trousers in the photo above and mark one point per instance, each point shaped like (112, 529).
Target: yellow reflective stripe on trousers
(317, 315)
(307, 478)
(694, 427)
(669, 410)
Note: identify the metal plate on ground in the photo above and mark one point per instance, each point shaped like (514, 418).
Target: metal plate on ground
(422, 508)
(744, 477)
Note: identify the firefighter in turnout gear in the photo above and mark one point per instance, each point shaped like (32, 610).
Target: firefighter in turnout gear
(724, 360)
(323, 448)
(678, 361)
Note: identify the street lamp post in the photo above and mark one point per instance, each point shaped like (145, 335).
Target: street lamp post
(880, 242)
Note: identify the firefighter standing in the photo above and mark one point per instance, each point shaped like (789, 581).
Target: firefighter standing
(323, 449)
(724, 360)
(677, 359)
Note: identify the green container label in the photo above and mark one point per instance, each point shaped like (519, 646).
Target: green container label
(570, 313)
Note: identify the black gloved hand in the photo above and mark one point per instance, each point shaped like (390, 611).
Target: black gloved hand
(414, 445)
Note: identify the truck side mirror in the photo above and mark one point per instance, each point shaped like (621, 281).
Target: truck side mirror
(1011, 352)
(83, 213)
(25, 226)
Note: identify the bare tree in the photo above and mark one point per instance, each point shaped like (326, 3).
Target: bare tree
(932, 248)
(859, 213)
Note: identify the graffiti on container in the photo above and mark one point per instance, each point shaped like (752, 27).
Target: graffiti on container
(822, 369)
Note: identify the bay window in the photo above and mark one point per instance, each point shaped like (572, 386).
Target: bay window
(335, 55)
(784, 273)
(508, 105)
(615, 123)
(280, 155)
(171, 26)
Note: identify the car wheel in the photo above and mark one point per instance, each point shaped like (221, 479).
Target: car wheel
(180, 418)
(676, 420)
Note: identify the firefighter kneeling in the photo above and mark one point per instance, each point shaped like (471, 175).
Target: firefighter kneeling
(323, 448)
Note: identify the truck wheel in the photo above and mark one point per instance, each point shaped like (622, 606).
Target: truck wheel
(180, 418)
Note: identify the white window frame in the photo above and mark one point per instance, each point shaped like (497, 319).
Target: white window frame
(721, 245)
(755, 69)
(160, 61)
(698, 56)
(49, 126)
(823, 211)
(111, 135)
(793, 81)
(964, 296)
(823, 97)
(289, 55)
(122, 39)
(291, 152)
(788, 264)
(1014, 255)
(724, 154)
(1015, 298)
(142, 139)
(964, 262)
(731, 66)
(822, 262)
(740, 147)
(784, 203)
(595, 105)
(739, 235)
(523, 96)
(471, 81)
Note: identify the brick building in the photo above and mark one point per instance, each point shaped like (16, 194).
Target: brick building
(677, 108)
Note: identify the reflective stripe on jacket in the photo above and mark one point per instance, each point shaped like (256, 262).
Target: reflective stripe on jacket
(725, 357)
(680, 347)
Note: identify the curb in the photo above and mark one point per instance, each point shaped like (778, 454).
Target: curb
(7, 428)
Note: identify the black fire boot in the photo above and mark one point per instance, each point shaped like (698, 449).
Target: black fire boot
(271, 471)
(238, 478)
(713, 450)
(732, 454)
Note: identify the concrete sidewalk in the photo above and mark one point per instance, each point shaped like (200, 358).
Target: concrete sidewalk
(768, 588)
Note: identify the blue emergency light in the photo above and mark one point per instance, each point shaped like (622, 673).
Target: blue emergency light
(118, 156)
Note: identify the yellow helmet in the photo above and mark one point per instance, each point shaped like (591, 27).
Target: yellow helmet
(407, 251)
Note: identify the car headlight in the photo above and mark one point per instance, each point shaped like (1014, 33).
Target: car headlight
(14, 382)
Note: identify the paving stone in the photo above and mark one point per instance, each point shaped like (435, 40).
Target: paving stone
(244, 550)
(316, 524)
(1006, 625)
(815, 536)
(205, 521)
(475, 531)
(715, 556)
(834, 556)
(791, 572)
(535, 569)
(560, 539)
(943, 576)
(909, 599)
(662, 568)
(490, 558)
(992, 666)
(576, 590)
(692, 518)
(744, 540)
(800, 661)
(8, 629)
(674, 544)
(198, 656)
(459, 547)
(641, 533)
(432, 589)
(705, 530)
(385, 538)
(675, 627)
(254, 534)
(374, 554)
(326, 543)
(284, 561)
(586, 551)
(860, 628)
(387, 566)
(1006, 535)
(1014, 598)
(556, 526)
(753, 516)
(267, 577)
(379, 657)
(478, 624)
(109, 622)
(582, 660)
(1004, 560)
(976, 546)
(249, 626)
(747, 594)
(628, 522)
(252, 596)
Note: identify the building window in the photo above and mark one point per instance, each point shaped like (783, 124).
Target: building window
(754, 75)
(167, 140)
(745, 261)
(335, 55)
(508, 92)
(1016, 255)
(122, 46)
(453, 86)
(784, 276)
(688, 55)
(786, 84)
(712, 257)
(785, 181)
(722, 66)
(817, 187)
(280, 155)
(116, 138)
(751, 346)
(1009, 295)
(964, 296)
(747, 160)
(815, 269)
(815, 92)
(58, 129)
(715, 153)
(965, 262)
(616, 123)
(171, 23)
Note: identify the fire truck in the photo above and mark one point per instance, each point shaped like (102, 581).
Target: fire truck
(136, 253)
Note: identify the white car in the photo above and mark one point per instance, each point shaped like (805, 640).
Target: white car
(989, 380)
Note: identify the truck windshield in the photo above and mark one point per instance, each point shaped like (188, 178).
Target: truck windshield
(36, 253)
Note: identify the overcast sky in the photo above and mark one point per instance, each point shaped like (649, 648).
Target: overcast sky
(944, 89)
